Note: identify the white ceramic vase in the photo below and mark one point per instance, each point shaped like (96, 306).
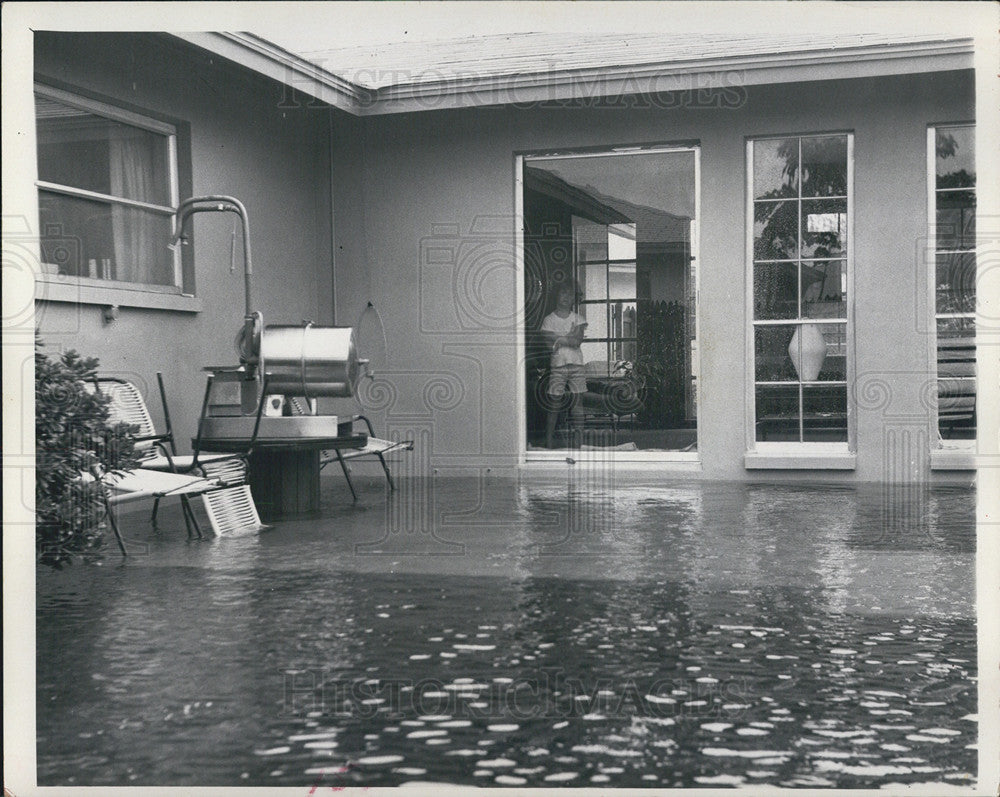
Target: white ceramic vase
(807, 351)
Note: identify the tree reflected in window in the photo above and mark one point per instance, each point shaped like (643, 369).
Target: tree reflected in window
(800, 229)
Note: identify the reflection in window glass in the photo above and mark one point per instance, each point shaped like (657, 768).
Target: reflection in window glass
(593, 351)
(778, 416)
(81, 149)
(954, 233)
(800, 364)
(956, 283)
(833, 367)
(590, 240)
(596, 314)
(956, 371)
(824, 227)
(593, 281)
(772, 362)
(774, 289)
(955, 157)
(824, 289)
(621, 281)
(824, 166)
(776, 231)
(621, 242)
(775, 168)
(956, 219)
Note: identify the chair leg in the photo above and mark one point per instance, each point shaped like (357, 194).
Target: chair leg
(114, 527)
(156, 507)
(194, 520)
(347, 475)
(385, 467)
(189, 519)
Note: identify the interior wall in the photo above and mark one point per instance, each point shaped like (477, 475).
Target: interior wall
(426, 202)
(250, 139)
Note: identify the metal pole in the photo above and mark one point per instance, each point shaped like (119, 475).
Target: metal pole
(220, 204)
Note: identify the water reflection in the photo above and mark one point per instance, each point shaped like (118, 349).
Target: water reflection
(632, 636)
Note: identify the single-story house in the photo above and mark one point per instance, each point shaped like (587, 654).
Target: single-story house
(771, 238)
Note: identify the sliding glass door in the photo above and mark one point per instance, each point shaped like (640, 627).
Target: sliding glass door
(618, 230)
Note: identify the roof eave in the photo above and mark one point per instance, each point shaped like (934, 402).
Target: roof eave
(586, 85)
(616, 84)
(293, 71)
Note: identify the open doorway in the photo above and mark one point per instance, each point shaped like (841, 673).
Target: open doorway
(620, 230)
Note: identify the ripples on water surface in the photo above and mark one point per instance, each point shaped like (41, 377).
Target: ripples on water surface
(672, 636)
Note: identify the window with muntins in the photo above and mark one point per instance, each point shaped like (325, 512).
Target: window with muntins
(605, 258)
(107, 189)
(800, 289)
(952, 181)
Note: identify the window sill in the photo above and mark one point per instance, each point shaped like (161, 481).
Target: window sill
(953, 459)
(809, 459)
(74, 291)
(684, 460)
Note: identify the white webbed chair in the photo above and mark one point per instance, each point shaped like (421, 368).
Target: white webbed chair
(219, 478)
(230, 509)
(374, 447)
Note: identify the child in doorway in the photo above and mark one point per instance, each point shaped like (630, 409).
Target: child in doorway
(563, 330)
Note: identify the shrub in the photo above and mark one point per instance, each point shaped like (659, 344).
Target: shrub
(72, 438)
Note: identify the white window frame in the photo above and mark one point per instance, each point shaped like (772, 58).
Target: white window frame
(945, 454)
(78, 289)
(806, 455)
(676, 460)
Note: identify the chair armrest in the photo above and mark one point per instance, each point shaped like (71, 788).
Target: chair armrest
(156, 438)
(368, 423)
(168, 453)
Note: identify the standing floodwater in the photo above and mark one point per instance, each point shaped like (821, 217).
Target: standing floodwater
(502, 634)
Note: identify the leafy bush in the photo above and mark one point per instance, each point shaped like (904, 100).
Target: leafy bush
(73, 437)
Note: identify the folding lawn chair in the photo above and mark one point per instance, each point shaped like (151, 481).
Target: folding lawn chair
(374, 447)
(230, 509)
(158, 451)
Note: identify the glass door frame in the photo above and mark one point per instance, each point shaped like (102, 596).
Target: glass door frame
(684, 460)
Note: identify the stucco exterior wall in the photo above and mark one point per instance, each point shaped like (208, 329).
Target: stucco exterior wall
(424, 206)
(246, 141)
(416, 213)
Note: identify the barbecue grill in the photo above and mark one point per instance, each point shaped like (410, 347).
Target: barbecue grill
(304, 360)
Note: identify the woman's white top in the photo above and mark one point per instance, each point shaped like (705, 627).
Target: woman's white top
(564, 355)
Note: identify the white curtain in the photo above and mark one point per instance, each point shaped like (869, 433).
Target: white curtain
(135, 231)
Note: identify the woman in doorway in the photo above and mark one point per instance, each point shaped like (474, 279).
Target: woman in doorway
(563, 330)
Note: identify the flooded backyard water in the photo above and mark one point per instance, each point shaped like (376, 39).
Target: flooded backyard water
(491, 633)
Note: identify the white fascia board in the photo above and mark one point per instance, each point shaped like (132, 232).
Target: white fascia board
(267, 59)
(584, 85)
(621, 82)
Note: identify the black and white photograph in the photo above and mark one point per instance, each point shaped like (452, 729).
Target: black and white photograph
(512, 395)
